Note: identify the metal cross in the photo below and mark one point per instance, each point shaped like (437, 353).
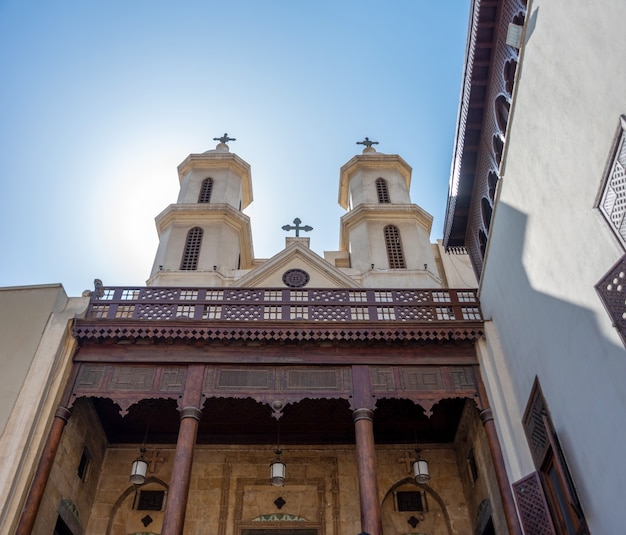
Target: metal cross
(367, 142)
(296, 226)
(226, 139)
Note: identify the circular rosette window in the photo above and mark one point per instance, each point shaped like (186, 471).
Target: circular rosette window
(296, 278)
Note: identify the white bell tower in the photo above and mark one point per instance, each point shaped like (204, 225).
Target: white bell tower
(205, 237)
(386, 236)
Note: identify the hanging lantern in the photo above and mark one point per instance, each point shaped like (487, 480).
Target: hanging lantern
(277, 471)
(420, 470)
(139, 469)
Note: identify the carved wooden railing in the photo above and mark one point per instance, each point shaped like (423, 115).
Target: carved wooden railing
(285, 305)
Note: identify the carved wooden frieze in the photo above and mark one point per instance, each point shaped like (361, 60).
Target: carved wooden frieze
(277, 385)
(126, 384)
(423, 379)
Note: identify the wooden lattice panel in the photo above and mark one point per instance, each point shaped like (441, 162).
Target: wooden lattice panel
(532, 506)
(612, 203)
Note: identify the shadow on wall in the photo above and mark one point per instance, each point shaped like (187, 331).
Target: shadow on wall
(560, 342)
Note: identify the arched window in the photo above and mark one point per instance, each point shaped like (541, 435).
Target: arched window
(509, 75)
(192, 249)
(486, 211)
(492, 182)
(482, 242)
(395, 255)
(502, 108)
(498, 147)
(382, 191)
(205, 190)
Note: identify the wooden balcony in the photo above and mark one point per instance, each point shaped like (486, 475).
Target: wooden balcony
(265, 313)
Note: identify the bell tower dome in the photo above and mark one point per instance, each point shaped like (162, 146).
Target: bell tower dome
(205, 237)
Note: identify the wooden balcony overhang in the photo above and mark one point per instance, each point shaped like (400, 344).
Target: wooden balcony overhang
(279, 315)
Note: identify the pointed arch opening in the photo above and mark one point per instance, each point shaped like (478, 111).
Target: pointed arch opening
(393, 244)
(382, 191)
(206, 190)
(191, 253)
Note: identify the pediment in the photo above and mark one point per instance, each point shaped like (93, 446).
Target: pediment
(296, 256)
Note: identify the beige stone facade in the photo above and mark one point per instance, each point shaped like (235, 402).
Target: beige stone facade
(230, 490)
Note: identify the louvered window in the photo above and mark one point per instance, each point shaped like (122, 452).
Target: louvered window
(205, 190)
(395, 255)
(192, 249)
(556, 481)
(382, 190)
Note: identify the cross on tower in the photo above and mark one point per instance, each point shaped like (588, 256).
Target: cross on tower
(296, 226)
(226, 139)
(367, 142)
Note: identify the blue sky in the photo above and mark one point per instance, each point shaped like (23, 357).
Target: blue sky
(100, 101)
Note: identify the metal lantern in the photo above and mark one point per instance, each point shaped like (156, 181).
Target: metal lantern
(277, 471)
(420, 471)
(139, 469)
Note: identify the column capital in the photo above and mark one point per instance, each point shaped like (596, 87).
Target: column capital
(363, 414)
(63, 413)
(486, 415)
(190, 412)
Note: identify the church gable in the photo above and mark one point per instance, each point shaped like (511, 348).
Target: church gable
(296, 266)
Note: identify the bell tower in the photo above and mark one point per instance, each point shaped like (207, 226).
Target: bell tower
(386, 236)
(205, 237)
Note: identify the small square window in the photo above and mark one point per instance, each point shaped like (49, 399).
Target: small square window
(150, 500)
(411, 501)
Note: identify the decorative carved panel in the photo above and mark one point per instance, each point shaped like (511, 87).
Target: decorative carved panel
(90, 377)
(421, 379)
(463, 378)
(239, 378)
(313, 379)
(382, 379)
(132, 378)
(172, 380)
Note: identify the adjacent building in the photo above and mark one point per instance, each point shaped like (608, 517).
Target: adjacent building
(536, 198)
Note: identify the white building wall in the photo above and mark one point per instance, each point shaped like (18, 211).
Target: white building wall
(549, 246)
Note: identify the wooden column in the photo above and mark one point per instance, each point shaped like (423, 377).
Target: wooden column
(190, 413)
(363, 404)
(371, 519)
(506, 492)
(31, 507)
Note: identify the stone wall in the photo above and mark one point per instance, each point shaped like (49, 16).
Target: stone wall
(66, 493)
(230, 491)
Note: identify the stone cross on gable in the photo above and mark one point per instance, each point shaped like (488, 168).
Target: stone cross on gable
(226, 139)
(296, 226)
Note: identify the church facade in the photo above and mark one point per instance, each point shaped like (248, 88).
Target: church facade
(297, 395)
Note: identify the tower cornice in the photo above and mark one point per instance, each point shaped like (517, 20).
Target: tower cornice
(375, 161)
(211, 160)
(382, 212)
